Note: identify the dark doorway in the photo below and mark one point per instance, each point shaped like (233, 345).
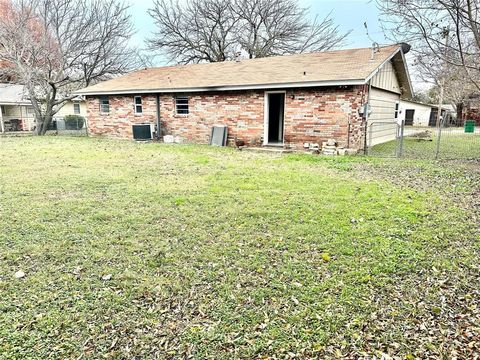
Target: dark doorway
(409, 117)
(276, 109)
(433, 117)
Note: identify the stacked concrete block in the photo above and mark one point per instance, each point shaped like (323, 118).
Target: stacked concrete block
(329, 147)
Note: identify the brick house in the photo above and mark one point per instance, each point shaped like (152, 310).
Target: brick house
(282, 100)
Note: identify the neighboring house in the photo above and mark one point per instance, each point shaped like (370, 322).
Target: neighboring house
(16, 111)
(414, 113)
(419, 114)
(280, 101)
(77, 106)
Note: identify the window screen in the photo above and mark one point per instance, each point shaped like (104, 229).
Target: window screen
(138, 105)
(181, 105)
(104, 105)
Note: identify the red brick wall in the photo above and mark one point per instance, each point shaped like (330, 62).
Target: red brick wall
(242, 112)
(316, 115)
(313, 115)
(118, 122)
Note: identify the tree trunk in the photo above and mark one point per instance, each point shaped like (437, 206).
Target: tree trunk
(42, 124)
(459, 112)
(440, 105)
(442, 81)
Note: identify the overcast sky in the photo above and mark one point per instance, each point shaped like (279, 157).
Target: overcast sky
(347, 14)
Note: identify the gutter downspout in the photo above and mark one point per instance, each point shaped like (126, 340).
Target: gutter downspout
(367, 106)
(158, 118)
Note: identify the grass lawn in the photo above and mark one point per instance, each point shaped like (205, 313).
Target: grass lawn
(146, 251)
(453, 145)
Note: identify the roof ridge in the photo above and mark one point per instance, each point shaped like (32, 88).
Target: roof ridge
(342, 66)
(265, 58)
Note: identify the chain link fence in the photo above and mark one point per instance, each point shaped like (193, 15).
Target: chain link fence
(382, 138)
(69, 125)
(391, 139)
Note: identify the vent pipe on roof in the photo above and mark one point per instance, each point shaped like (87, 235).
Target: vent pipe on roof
(238, 57)
(375, 49)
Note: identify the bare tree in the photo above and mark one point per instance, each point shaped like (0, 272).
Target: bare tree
(457, 88)
(282, 27)
(55, 47)
(194, 31)
(218, 30)
(441, 31)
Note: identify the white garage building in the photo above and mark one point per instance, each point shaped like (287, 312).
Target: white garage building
(415, 113)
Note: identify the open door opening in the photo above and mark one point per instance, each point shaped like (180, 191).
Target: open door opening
(275, 113)
(409, 114)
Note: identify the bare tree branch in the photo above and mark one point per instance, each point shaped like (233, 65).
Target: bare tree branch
(217, 30)
(426, 23)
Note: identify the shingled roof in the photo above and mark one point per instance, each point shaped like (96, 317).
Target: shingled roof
(13, 94)
(341, 67)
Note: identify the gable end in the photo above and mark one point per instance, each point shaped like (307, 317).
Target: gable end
(387, 79)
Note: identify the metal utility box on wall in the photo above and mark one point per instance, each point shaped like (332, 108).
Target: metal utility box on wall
(142, 131)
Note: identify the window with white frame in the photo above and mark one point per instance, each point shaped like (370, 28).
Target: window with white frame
(104, 104)
(138, 104)
(76, 108)
(30, 111)
(181, 105)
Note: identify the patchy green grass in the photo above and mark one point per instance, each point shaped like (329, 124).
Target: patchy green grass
(453, 145)
(134, 250)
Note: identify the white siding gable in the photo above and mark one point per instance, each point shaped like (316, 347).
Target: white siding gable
(386, 79)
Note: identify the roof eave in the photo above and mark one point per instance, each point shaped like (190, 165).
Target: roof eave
(433, 106)
(15, 103)
(302, 84)
(410, 86)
